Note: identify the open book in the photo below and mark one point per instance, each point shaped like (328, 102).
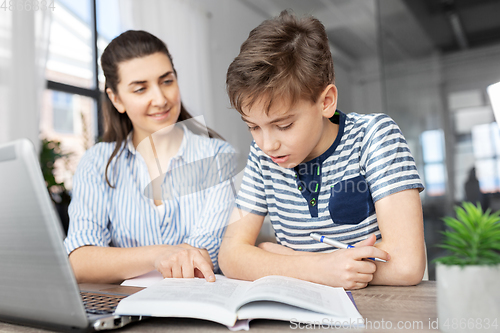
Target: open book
(227, 300)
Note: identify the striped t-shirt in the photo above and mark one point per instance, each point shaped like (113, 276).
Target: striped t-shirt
(197, 201)
(369, 160)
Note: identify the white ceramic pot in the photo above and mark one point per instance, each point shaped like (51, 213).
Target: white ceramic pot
(468, 298)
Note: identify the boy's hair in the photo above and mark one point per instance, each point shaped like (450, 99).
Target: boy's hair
(284, 58)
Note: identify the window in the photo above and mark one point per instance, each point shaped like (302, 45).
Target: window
(70, 114)
(494, 94)
(62, 106)
(486, 147)
(434, 167)
(108, 27)
(70, 58)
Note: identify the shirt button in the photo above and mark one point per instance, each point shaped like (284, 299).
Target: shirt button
(312, 202)
(300, 188)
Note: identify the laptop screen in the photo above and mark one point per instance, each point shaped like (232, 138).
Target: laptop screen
(37, 284)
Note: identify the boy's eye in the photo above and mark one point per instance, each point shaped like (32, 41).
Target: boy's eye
(252, 128)
(284, 128)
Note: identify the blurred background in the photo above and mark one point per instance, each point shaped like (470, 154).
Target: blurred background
(431, 65)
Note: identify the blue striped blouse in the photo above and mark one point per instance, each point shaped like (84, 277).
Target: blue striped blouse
(196, 206)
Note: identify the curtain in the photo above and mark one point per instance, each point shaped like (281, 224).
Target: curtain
(24, 39)
(184, 26)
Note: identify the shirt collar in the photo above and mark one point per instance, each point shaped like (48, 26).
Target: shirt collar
(129, 144)
(183, 149)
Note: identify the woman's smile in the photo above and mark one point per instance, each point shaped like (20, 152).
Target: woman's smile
(160, 115)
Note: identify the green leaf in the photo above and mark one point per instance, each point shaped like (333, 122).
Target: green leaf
(455, 239)
(473, 237)
(456, 225)
(454, 249)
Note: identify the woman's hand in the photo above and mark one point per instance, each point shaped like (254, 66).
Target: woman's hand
(184, 261)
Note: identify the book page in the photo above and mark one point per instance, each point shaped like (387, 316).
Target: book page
(281, 311)
(303, 294)
(194, 298)
(144, 280)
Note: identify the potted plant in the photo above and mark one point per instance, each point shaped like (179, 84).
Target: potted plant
(468, 279)
(49, 154)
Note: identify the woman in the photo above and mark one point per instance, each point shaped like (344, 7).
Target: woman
(116, 231)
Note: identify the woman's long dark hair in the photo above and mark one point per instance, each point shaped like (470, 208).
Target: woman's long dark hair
(130, 45)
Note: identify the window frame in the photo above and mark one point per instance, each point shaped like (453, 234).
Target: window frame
(94, 93)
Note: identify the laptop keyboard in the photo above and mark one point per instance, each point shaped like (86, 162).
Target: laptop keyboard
(96, 303)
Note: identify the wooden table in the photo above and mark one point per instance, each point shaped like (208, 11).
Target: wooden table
(398, 309)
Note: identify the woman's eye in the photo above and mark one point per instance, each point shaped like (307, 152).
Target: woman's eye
(168, 81)
(284, 128)
(139, 90)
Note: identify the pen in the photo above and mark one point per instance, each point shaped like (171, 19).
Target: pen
(340, 245)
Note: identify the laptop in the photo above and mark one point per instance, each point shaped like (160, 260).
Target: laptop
(37, 285)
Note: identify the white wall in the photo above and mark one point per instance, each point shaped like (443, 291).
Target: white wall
(367, 87)
(471, 69)
(230, 22)
(344, 83)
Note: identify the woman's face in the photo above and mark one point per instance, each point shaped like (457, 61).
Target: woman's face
(148, 92)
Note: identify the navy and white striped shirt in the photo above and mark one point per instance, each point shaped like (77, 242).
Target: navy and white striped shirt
(369, 160)
(127, 217)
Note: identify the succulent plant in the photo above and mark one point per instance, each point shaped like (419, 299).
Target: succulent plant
(473, 238)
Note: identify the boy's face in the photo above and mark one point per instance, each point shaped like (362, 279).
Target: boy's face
(296, 134)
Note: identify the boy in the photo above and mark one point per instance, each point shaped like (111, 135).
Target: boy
(313, 168)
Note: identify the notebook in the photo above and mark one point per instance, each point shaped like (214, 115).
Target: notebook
(37, 285)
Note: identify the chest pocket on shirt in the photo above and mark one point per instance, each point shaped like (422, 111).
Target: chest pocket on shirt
(350, 201)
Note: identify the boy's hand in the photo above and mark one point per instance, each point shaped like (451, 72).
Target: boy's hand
(346, 267)
(184, 261)
(370, 241)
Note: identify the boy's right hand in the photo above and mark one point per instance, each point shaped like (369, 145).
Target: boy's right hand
(184, 261)
(346, 267)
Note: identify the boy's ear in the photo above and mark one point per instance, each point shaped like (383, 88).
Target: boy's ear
(115, 100)
(329, 101)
